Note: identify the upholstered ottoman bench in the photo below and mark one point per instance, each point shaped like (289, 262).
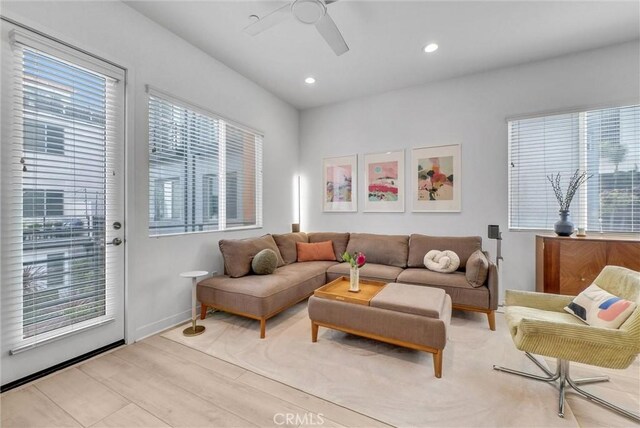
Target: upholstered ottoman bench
(406, 315)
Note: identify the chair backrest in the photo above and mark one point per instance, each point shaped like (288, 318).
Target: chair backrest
(624, 283)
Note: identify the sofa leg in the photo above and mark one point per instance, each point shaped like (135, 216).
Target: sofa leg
(314, 332)
(491, 315)
(437, 363)
(203, 311)
(263, 327)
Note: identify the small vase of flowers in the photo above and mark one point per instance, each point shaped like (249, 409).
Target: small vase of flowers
(564, 226)
(356, 260)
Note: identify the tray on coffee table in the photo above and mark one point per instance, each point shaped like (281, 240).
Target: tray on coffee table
(338, 289)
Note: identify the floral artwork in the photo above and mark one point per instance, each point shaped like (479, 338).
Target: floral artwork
(384, 181)
(340, 184)
(382, 184)
(436, 179)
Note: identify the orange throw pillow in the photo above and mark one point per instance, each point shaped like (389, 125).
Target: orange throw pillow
(315, 252)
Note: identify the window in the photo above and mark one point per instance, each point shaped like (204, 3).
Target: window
(42, 203)
(605, 143)
(231, 204)
(55, 269)
(205, 172)
(43, 137)
(210, 197)
(167, 197)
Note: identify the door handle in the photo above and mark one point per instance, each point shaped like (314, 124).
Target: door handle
(115, 242)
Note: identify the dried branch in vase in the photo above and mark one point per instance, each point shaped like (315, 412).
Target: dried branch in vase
(577, 180)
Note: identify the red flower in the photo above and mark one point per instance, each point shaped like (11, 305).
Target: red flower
(361, 260)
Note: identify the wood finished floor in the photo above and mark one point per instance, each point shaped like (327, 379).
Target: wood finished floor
(161, 383)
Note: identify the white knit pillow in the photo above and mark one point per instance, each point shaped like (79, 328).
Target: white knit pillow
(442, 261)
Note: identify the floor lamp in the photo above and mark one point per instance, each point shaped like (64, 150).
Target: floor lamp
(295, 227)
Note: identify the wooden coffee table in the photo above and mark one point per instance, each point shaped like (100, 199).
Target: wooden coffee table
(338, 289)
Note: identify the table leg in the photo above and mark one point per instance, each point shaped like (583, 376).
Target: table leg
(194, 330)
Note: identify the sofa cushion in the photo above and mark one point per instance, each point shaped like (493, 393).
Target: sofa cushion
(238, 253)
(265, 262)
(477, 269)
(455, 284)
(262, 295)
(370, 271)
(318, 251)
(287, 245)
(411, 299)
(390, 250)
(339, 241)
(463, 246)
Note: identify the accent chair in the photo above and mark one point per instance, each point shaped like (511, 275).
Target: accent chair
(539, 325)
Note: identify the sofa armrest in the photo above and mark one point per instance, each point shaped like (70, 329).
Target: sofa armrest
(531, 299)
(493, 285)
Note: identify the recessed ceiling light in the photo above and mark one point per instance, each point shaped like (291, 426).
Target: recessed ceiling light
(309, 80)
(431, 47)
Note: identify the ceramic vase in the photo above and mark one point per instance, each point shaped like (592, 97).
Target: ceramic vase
(564, 226)
(354, 279)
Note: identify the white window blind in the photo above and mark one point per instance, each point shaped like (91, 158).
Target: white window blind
(66, 120)
(605, 143)
(205, 173)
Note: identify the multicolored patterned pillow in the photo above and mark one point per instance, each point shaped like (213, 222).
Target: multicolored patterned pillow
(599, 308)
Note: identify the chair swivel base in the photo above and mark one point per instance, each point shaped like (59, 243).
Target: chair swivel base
(565, 382)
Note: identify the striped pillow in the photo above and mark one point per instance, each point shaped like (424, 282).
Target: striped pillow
(599, 308)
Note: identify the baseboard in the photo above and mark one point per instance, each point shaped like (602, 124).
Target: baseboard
(156, 327)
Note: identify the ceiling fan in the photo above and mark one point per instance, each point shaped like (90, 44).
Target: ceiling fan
(309, 12)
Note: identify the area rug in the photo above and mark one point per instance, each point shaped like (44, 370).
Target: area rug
(392, 384)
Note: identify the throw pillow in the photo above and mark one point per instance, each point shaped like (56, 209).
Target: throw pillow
(339, 241)
(315, 252)
(477, 269)
(599, 308)
(442, 261)
(265, 262)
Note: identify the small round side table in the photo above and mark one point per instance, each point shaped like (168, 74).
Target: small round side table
(194, 330)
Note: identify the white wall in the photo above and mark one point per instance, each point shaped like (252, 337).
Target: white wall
(470, 111)
(157, 297)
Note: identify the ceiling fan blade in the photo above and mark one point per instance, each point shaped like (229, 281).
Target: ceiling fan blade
(329, 31)
(268, 20)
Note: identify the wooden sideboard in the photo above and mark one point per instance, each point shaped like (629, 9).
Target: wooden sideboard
(568, 265)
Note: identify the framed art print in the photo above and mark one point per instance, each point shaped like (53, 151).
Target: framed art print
(340, 184)
(435, 178)
(384, 182)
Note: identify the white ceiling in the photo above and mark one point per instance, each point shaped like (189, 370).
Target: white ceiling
(386, 40)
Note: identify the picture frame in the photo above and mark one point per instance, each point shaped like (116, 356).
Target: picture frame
(384, 182)
(340, 184)
(436, 179)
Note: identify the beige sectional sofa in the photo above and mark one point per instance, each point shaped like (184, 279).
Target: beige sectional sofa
(390, 258)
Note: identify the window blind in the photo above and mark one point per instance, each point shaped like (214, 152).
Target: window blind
(204, 172)
(613, 157)
(57, 276)
(605, 143)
